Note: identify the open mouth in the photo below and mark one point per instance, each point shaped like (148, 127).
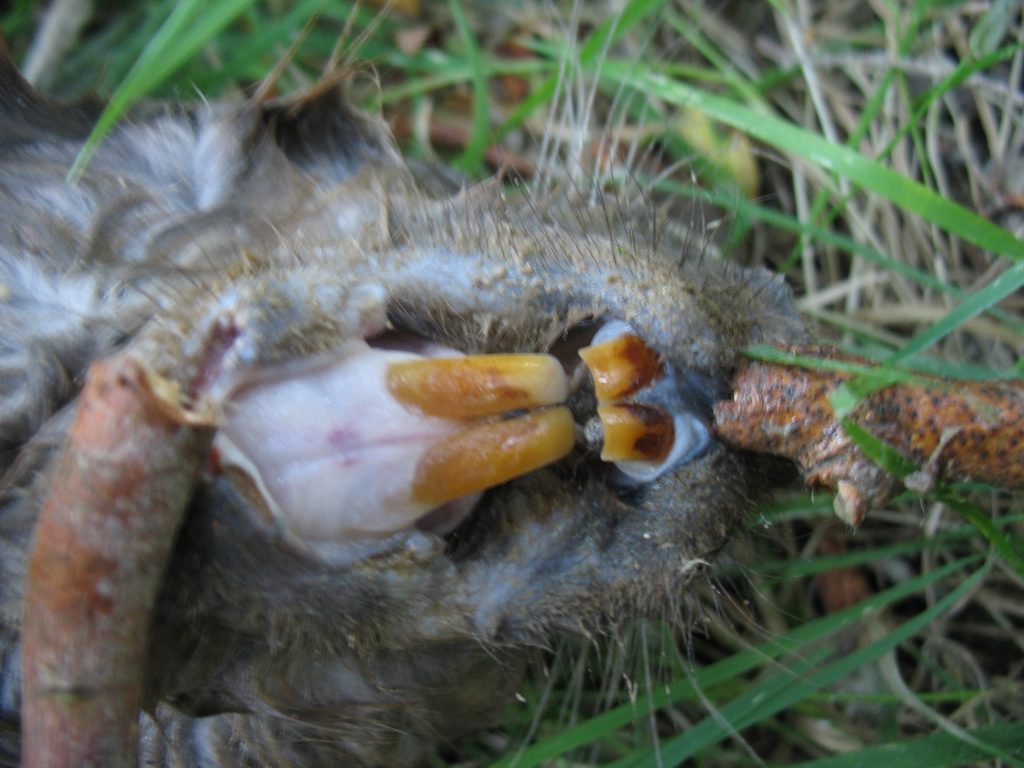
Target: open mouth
(396, 433)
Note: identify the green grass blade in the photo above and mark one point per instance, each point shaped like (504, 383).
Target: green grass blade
(722, 671)
(1010, 551)
(450, 73)
(789, 569)
(784, 689)
(1010, 281)
(937, 750)
(881, 377)
(828, 237)
(244, 57)
(837, 158)
(190, 25)
(878, 451)
(471, 161)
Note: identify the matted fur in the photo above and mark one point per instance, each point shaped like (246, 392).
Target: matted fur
(290, 214)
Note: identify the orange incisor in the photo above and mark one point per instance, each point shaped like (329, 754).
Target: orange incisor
(621, 366)
(492, 453)
(634, 432)
(478, 385)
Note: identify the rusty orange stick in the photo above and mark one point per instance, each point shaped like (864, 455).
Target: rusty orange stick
(952, 430)
(107, 524)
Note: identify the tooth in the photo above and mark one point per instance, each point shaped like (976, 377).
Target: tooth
(478, 385)
(491, 454)
(690, 440)
(635, 432)
(621, 366)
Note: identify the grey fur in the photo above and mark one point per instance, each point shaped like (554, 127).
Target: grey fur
(289, 214)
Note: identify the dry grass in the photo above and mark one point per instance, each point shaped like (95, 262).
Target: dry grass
(814, 643)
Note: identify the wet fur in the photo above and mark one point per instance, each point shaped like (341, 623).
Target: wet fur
(265, 651)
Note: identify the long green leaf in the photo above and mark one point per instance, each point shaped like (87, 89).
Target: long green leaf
(837, 158)
(937, 750)
(1005, 545)
(730, 668)
(1009, 282)
(784, 689)
(471, 159)
(829, 237)
(190, 25)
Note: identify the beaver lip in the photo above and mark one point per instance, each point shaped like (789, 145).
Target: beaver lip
(335, 455)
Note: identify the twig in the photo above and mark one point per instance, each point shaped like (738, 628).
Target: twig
(116, 499)
(948, 429)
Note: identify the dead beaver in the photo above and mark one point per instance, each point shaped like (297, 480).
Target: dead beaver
(338, 594)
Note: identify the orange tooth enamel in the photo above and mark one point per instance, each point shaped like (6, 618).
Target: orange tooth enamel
(635, 432)
(491, 454)
(478, 385)
(621, 366)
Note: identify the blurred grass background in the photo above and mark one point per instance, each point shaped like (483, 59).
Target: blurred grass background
(873, 152)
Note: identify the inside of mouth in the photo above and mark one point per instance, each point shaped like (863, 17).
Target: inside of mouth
(333, 454)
